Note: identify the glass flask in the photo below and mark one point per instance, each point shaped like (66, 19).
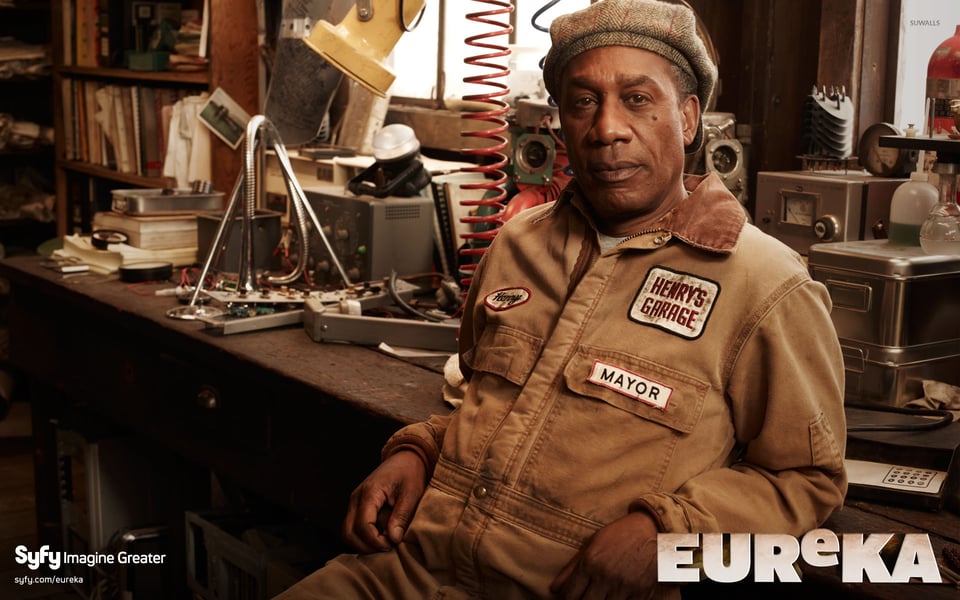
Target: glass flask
(940, 232)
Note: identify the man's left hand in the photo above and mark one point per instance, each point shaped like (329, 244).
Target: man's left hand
(619, 561)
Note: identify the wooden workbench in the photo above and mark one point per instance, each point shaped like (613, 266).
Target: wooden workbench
(297, 423)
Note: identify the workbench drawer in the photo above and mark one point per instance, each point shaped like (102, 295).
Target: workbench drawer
(192, 403)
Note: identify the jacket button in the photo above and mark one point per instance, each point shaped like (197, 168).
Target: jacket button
(480, 491)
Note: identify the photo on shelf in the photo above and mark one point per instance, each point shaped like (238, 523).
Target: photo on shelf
(225, 118)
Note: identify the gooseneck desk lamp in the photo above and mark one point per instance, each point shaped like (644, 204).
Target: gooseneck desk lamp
(357, 47)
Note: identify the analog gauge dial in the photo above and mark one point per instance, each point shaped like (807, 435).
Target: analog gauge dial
(799, 209)
(883, 161)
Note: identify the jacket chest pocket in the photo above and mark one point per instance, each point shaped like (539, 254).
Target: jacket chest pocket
(506, 352)
(638, 386)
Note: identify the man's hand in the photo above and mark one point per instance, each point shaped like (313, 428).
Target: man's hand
(619, 561)
(393, 490)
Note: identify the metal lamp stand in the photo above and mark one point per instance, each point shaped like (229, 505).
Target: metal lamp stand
(260, 134)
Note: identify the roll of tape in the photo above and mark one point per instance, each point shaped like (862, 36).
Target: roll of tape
(137, 272)
(102, 238)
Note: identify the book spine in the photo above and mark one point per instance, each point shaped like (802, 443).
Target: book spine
(121, 145)
(68, 24)
(94, 135)
(134, 100)
(80, 114)
(108, 129)
(105, 44)
(85, 26)
(69, 120)
(150, 138)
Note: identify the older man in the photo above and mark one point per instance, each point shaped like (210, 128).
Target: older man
(640, 360)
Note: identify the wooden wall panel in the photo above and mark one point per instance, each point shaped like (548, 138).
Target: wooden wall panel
(234, 67)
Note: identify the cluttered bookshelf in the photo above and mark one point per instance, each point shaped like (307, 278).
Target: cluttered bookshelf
(124, 72)
(26, 127)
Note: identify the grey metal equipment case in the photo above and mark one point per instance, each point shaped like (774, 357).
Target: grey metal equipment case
(897, 314)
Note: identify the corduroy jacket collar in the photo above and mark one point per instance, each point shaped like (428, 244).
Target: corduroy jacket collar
(710, 218)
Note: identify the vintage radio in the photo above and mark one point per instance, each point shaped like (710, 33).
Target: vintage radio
(895, 312)
(801, 208)
(370, 236)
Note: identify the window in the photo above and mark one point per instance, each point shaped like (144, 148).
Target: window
(924, 25)
(430, 64)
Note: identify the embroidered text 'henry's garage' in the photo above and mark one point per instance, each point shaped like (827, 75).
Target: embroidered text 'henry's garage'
(677, 302)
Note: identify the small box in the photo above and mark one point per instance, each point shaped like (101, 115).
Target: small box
(153, 60)
(266, 236)
(895, 312)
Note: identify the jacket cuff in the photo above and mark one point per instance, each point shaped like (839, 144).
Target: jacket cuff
(665, 511)
(416, 438)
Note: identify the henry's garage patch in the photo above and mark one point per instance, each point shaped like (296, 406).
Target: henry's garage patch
(630, 384)
(676, 302)
(506, 298)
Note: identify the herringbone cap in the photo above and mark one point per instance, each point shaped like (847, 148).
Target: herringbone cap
(667, 29)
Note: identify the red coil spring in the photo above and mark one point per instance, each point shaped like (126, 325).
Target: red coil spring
(485, 219)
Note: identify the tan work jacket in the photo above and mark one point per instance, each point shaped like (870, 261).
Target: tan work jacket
(692, 371)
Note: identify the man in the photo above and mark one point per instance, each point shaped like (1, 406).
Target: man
(640, 360)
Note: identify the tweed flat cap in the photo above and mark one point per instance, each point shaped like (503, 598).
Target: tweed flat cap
(667, 29)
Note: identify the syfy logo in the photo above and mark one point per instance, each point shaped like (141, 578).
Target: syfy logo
(34, 560)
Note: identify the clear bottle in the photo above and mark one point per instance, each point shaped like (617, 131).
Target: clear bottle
(940, 232)
(912, 202)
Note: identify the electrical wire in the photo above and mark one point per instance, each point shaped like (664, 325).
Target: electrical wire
(401, 303)
(539, 13)
(943, 418)
(416, 22)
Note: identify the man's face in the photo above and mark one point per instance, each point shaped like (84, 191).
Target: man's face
(625, 129)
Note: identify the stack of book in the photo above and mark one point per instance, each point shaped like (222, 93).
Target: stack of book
(151, 232)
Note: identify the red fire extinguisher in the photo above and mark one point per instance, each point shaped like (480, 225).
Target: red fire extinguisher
(943, 84)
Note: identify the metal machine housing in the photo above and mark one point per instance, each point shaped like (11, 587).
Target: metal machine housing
(371, 236)
(801, 208)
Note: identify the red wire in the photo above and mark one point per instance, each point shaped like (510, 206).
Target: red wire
(492, 156)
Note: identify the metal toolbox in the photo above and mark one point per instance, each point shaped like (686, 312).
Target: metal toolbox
(897, 314)
(164, 201)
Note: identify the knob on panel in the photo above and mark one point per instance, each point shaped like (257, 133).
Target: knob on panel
(827, 228)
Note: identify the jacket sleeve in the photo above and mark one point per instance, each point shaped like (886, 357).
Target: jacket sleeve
(785, 390)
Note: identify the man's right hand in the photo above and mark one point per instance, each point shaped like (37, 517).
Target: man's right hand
(394, 488)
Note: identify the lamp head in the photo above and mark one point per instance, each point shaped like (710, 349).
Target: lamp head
(361, 42)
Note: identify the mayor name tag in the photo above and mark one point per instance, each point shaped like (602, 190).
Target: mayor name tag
(630, 384)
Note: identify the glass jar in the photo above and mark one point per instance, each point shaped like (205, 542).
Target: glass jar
(940, 232)
(911, 204)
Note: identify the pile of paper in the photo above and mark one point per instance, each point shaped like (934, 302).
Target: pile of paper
(117, 255)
